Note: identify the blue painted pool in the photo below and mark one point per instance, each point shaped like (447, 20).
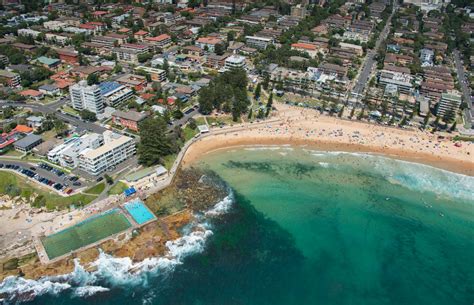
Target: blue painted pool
(139, 211)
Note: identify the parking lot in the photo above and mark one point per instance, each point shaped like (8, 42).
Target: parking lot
(46, 175)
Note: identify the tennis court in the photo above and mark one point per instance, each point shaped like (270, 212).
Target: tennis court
(84, 233)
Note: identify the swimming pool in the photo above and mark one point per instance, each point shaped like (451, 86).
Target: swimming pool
(139, 211)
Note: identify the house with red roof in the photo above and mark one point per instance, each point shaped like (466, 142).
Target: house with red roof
(33, 94)
(141, 35)
(160, 41)
(309, 48)
(208, 42)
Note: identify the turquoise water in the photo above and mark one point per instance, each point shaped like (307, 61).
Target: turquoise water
(139, 211)
(310, 227)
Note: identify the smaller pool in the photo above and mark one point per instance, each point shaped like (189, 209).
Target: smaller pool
(139, 211)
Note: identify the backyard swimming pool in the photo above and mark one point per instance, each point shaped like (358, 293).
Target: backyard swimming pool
(139, 211)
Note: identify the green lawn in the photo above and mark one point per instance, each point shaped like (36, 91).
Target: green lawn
(201, 121)
(13, 153)
(15, 185)
(96, 189)
(118, 188)
(189, 133)
(169, 160)
(70, 110)
(84, 233)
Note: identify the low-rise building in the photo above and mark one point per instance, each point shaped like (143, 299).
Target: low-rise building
(208, 43)
(260, 43)
(130, 119)
(10, 79)
(309, 48)
(403, 81)
(67, 153)
(27, 143)
(157, 75)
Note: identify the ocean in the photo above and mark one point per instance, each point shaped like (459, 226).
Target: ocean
(300, 227)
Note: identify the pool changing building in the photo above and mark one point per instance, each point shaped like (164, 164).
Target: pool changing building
(116, 149)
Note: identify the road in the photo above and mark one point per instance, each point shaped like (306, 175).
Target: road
(370, 59)
(469, 112)
(52, 108)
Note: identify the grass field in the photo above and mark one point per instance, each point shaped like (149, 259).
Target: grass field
(84, 233)
(118, 188)
(96, 190)
(169, 160)
(189, 133)
(14, 185)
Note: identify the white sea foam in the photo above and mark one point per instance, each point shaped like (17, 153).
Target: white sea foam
(324, 164)
(113, 271)
(87, 291)
(270, 147)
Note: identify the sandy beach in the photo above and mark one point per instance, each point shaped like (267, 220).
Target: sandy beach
(306, 127)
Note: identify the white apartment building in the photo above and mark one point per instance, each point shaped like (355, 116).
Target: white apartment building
(116, 149)
(448, 104)
(115, 93)
(67, 154)
(28, 32)
(86, 97)
(258, 42)
(234, 62)
(157, 75)
(54, 25)
(401, 80)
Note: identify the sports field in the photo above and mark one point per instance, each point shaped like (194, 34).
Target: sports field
(84, 233)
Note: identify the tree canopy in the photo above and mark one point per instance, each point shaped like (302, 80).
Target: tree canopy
(155, 143)
(227, 92)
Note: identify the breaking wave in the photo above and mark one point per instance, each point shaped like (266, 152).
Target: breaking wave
(415, 176)
(110, 271)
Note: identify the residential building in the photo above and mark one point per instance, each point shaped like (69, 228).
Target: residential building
(10, 79)
(137, 82)
(128, 55)
(116, 149)
(332, 69)
(115, 93)
(130, 119)
(234, 62)
(69, 56)
(86, 97)
(67, 154)
(157, 75)
(309, 48)
(426, 57)
(260, 43)
(448, 105)
(208, 43)
(402, 80)
(160, 41)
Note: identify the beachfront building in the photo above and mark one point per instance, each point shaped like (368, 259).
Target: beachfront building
(84, 97)
(448, 105)
(129, 119)
(116, 149)
(27, 143)
(67, 154)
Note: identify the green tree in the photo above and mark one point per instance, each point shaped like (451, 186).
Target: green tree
(154, 141)
(352, 113)
(453, 127)
(92, 79)
(88, 115)
(258, 91)
(341, 112)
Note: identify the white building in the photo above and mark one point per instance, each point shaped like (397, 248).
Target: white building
(448, 104)
(116, 149)
(115, 93)
(67, 154)
(258, 42)
(28, 32)
(426, 57)
(86, 97)
(234, 62)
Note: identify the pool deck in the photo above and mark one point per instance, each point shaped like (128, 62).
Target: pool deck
(44, 258)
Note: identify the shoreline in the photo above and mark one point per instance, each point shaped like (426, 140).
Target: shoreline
(451, 165)
(305, 128)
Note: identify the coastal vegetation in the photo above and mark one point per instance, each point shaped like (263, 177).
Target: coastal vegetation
(228, 93)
